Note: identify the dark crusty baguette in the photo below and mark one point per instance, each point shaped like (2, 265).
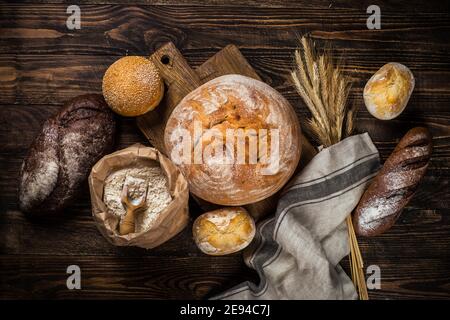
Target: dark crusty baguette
(395, 184)
(62, 155)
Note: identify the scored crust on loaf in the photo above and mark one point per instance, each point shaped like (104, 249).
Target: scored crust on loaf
(395, 184)
(235, 102)
(223, 231)
(62, 155)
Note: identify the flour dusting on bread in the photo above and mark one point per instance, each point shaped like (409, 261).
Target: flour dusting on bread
(374, 212)
(240, 168)
(72, 152)
(393, 187)
(39, 174)
(63, 153)
(37, 187)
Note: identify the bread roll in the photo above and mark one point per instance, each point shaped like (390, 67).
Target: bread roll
(132, 86)
(234, 171)
(395, 184)
(62, 155)
(387, 92)
(223, 231)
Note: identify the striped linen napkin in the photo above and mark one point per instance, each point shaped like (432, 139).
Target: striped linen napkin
(297, 252)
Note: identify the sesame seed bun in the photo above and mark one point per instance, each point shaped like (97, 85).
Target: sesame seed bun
(132, 86)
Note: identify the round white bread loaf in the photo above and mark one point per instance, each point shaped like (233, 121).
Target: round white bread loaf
(236, 140)
(223, 231)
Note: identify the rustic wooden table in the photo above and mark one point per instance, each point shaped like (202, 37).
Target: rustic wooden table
(42, 64)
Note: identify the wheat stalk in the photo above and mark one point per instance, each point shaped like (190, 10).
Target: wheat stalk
(325, 89)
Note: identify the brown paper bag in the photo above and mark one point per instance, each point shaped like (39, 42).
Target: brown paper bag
(169, 222)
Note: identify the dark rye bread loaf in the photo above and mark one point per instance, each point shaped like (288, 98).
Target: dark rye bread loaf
(62, 155)
(393, 187)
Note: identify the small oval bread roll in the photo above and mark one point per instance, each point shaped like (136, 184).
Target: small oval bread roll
(223, 231)
(387, 92)
(132, 86)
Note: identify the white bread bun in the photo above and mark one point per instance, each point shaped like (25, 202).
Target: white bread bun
(239, 104)
(387, 92)
(223, 231)
(132, 86)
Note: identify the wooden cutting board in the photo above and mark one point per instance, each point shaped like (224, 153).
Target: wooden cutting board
(180, 79)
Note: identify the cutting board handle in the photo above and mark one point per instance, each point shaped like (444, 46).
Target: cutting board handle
(175, 71)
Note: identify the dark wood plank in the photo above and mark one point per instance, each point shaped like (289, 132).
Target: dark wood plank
(37, 277)
(75, 233)
(418, 278)
(405, 5)
(120, 30)
(417, 234)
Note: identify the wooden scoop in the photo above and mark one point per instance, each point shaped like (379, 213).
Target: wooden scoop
(127, 224)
